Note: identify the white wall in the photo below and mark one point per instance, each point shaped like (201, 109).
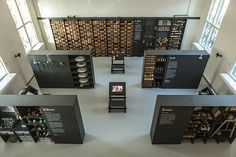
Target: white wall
(96, 8)
(198, 9)
(10, 45)
(119, 8)
(225, 44)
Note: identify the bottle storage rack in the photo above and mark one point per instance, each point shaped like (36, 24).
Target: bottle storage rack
(102, 36)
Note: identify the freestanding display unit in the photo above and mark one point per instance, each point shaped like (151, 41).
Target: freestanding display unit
(118, 62)
(192, 117)
(173, 68)
(36, 118)
(63, 69)
(117, 96)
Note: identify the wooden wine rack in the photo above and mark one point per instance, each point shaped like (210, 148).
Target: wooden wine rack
(73, 35)
(102, 37)
(59, 33)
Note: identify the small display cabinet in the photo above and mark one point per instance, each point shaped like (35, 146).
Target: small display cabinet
(117, 62)
(117, 96)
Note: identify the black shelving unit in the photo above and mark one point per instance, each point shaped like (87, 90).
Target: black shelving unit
(176, 34)
(148, 38)
(153, 71)
(197, 117)
(130, 34)
(42, 118)
(162, 29)
(23, 133)
(60, 69)
(33, 119)
(82, 71)
(173, 68)
(8, 121)
(138, 48)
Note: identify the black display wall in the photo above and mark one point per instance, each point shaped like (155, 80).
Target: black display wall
(63, 69)
(33, 118)
(194, 117)
(131, 35)
(173, 68)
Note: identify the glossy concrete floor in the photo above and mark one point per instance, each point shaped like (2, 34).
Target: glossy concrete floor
(117, 134)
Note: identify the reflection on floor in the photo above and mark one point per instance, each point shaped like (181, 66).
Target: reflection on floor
(118, 134)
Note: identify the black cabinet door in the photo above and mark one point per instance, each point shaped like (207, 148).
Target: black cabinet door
(184, 71)
(53, 74)
(41, 70)
(61, 72)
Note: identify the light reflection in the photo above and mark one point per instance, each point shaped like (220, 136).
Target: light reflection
(48, 31)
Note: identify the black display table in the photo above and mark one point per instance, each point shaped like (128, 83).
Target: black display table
(117, 62)
(117, 96)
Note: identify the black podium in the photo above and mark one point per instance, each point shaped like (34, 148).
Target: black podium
(117, 62)
(117, 96)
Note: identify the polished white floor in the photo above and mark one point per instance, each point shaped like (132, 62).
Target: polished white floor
(118, 134)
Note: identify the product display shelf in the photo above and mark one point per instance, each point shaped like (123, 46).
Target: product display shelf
(123, 36)
(81, 69)
(163, 29)
(153, 71)
(24, 134)
(8, 121)
(148, 34)
(201, 124)
(176, 34)
(34, 120)
(225, 127)
(100, 36)
(137, 47)
(73, 35)
(132, 35)
(149, 68)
